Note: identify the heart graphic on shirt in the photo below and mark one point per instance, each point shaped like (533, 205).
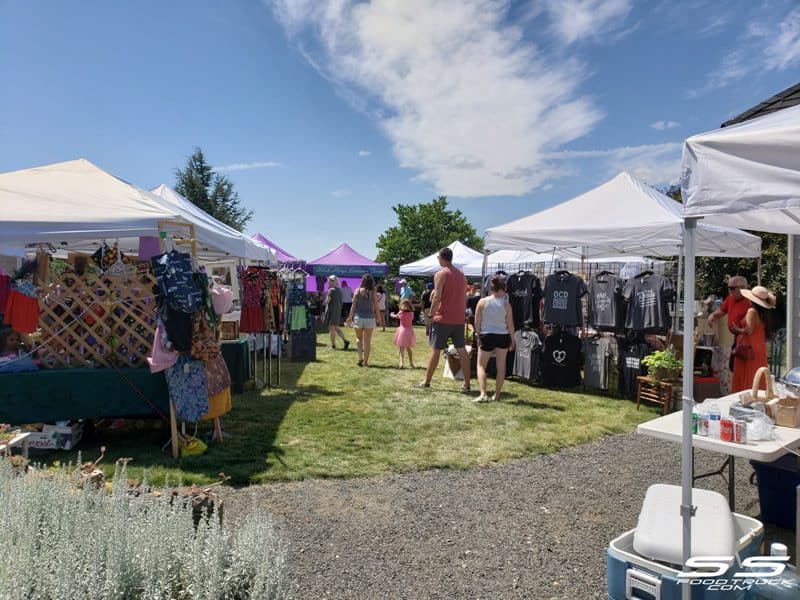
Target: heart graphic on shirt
(559, 356)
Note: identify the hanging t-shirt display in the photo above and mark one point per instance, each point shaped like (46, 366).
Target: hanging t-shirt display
(524, 291)
(596, 355)
(561, 360)
(527, 360)
(648, 299)
(562, 299)
(606, 304)
(630, 366)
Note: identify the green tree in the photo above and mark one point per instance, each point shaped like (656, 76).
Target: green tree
(422, 229)
(211, 191)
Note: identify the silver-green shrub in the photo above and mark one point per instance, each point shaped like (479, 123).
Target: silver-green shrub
(58, 541)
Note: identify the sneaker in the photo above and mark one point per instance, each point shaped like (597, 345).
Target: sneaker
(346, 344)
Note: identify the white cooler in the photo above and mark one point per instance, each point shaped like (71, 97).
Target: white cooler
(643, 563)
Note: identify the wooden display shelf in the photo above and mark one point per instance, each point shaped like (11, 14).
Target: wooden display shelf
(658, 392)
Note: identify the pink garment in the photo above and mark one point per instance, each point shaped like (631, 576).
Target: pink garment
(405, 336)
(221, 299)
(162, 358)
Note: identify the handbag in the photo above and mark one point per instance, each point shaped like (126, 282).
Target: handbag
(744, 352)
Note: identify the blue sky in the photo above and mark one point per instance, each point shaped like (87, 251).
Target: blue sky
(325, 114)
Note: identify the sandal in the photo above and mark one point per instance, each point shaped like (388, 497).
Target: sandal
(422, 384)
(465, 388)
(360, 363)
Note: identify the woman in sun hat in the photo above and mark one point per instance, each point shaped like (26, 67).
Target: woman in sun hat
(751, 337)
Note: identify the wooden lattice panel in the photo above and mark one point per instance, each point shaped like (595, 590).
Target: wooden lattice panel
(101, 319)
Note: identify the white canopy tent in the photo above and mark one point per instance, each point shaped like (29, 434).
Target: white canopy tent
(622, 216)
(214, 234)
(746, 175)
(74, 205)
(464, 258)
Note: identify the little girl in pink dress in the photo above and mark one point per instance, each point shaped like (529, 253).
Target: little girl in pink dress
(405, 338)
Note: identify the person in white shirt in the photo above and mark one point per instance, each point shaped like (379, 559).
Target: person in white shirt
(382, 305)
(347, 299)
(494, 323)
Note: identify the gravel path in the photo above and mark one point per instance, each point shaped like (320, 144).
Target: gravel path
(533, 528)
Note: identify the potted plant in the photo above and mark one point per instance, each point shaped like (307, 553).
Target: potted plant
(663, 365)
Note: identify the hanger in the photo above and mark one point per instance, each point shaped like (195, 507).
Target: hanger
(644, 274)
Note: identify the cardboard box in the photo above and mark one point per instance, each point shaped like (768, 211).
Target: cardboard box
(53, 437)
(229, 330)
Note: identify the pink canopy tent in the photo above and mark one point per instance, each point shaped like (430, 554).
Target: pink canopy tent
(282, 255)
(347, 264)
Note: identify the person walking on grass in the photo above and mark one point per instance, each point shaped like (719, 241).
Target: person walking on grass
(333, 312)
(494, 323)
(448, 309)
(382, 306)
(405, 338)
(364, 316)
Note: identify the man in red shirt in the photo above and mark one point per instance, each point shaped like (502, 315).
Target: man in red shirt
(735, 305)
(448, 315)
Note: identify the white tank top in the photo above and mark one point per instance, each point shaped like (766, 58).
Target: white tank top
(493, 319)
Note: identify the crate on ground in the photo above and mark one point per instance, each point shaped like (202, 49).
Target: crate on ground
(56, 437)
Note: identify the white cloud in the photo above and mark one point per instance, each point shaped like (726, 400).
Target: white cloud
(574, 20)
(766, 45)
(341, 193)
(466, 102)
(363, 153)
(657, 164)
(270, 164)
(662, 125)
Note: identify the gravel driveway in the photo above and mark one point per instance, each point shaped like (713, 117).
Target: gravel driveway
(533, 528)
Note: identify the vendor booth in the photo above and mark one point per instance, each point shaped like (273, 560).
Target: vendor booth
(347, 264)
(124, 328)
(465, 258)
(281, 255)
(743, 175)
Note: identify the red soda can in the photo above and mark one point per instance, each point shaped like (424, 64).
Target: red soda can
(740, 432)
(726, 430)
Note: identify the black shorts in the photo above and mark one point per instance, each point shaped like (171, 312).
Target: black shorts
(490, 341)
(441, 331)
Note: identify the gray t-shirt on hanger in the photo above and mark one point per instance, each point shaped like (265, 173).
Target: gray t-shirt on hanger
(562, 299)
(605, 297)
(648, 303)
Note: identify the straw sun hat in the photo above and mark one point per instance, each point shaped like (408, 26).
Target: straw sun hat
(761, 296)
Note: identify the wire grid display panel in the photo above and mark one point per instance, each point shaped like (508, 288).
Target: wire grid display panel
(98, 320)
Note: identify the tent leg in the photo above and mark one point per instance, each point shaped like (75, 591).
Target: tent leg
(173, 430)
(677, 320)
(758, 270)
(687, 510)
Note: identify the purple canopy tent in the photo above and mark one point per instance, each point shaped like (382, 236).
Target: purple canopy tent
(347, 264)
(282, 255)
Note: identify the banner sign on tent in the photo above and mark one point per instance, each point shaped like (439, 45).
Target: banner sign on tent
(349, 270)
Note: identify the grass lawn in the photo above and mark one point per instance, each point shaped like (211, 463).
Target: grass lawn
(334, 419)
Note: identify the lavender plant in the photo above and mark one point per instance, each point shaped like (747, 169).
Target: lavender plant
(59, 541)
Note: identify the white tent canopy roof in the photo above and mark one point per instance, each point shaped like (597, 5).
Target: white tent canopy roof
(746, 175)
(213, 234)
(463, 257)
(73, 205)
(74, 200)
(622, 216)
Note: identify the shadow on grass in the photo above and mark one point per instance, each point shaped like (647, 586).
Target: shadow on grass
(534, 404)
(249, 447)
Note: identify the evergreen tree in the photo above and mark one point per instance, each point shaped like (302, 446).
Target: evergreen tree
(211, 191)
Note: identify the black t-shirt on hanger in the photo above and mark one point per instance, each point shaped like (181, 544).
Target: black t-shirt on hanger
(524, 291)
(648, 299)
(562, 299)
(562, 360)
(630, 366)
(606, 303)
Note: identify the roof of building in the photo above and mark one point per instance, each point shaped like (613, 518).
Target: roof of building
(785, 99)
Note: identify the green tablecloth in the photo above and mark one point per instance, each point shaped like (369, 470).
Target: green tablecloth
(235, 353)
(59, 394)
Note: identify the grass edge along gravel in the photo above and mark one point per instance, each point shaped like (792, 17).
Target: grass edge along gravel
(331, 418)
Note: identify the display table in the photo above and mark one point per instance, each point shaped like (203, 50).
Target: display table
(237, 357)
(67, 394)
(669, 428)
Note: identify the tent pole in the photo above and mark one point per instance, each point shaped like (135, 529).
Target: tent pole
(758, 270)
(686, 509)
(677, 319)
(485, 266)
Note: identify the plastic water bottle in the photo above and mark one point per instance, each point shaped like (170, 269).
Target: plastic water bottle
(714, 418)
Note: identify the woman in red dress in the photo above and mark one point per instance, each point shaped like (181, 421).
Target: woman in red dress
(751, 337)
